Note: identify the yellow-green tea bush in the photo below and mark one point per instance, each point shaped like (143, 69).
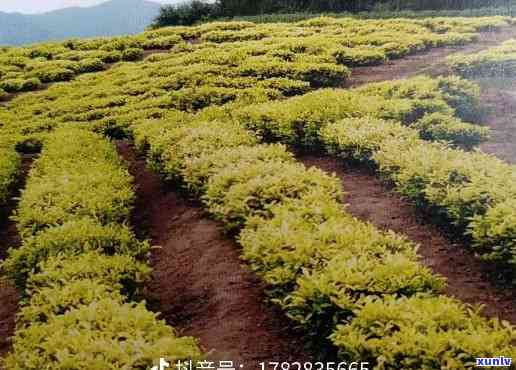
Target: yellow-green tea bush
(64, 186)
(443, 127)
(198, 169)
(104, 334)
(73, 238)
(294, 231)
(359, 138)
(292, 61)
(335, 293)
(10, 162)
(59, 299)
(494, 233)
(298, 120)
(435, 94)
(118, 271)
(14, 85)
(90, 65)
(176, 146)
(354, 57)
(460, 185)
(422, 333)
(496, 61)
(462, 95)
(304, 234)
(132, 54)
(243, 190)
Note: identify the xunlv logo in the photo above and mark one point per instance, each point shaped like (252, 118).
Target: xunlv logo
(494, 361)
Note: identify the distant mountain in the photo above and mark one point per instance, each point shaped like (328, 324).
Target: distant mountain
(115, 17)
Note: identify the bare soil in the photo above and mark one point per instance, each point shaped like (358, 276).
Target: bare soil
(426, 62)
(199, 283)
(369, 200)
(9, 238)
(498, 98)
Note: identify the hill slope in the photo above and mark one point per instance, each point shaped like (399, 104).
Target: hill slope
(114, 17)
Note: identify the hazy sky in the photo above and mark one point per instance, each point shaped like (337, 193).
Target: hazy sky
(40, 6)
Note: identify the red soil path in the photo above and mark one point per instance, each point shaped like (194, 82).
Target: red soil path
(9, 238)
(426, 62)
(369, 200)
(498, 98)
(199, 284)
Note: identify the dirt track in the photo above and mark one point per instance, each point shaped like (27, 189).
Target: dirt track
(427, 62)
(9, 238)
(498, 98)
(199, 283)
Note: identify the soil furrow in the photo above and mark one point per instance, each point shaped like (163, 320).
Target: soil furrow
(469, 279)
(9, 237)
(427, 62)
(199, 284)
(498, 98)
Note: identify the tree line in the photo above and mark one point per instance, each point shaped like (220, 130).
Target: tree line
(198, 10)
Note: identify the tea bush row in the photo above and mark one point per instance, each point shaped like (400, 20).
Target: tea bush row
(80, 267)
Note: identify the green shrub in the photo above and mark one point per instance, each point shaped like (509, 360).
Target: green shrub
(456, 184)
(70, 239)
(198, 170)
(112, 56)
(164, 42)
(242, 190)
(421, 333)
(20, 84)
(354, 57)
(304, 234)
(463, 188)
(494, 234)
(431, 95)
(105, 334)
(109, 270)
(132, 54)
(91, 65)
(298, 120)
(178, 145)
(318, 74)
(332, 295)
(10, 162)
(360, 138)
(53, 74)
(59, 299)
(12, 85)
(496, 61)
(30, 84)
(438, 126)
(462, 95)
(65, 186)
